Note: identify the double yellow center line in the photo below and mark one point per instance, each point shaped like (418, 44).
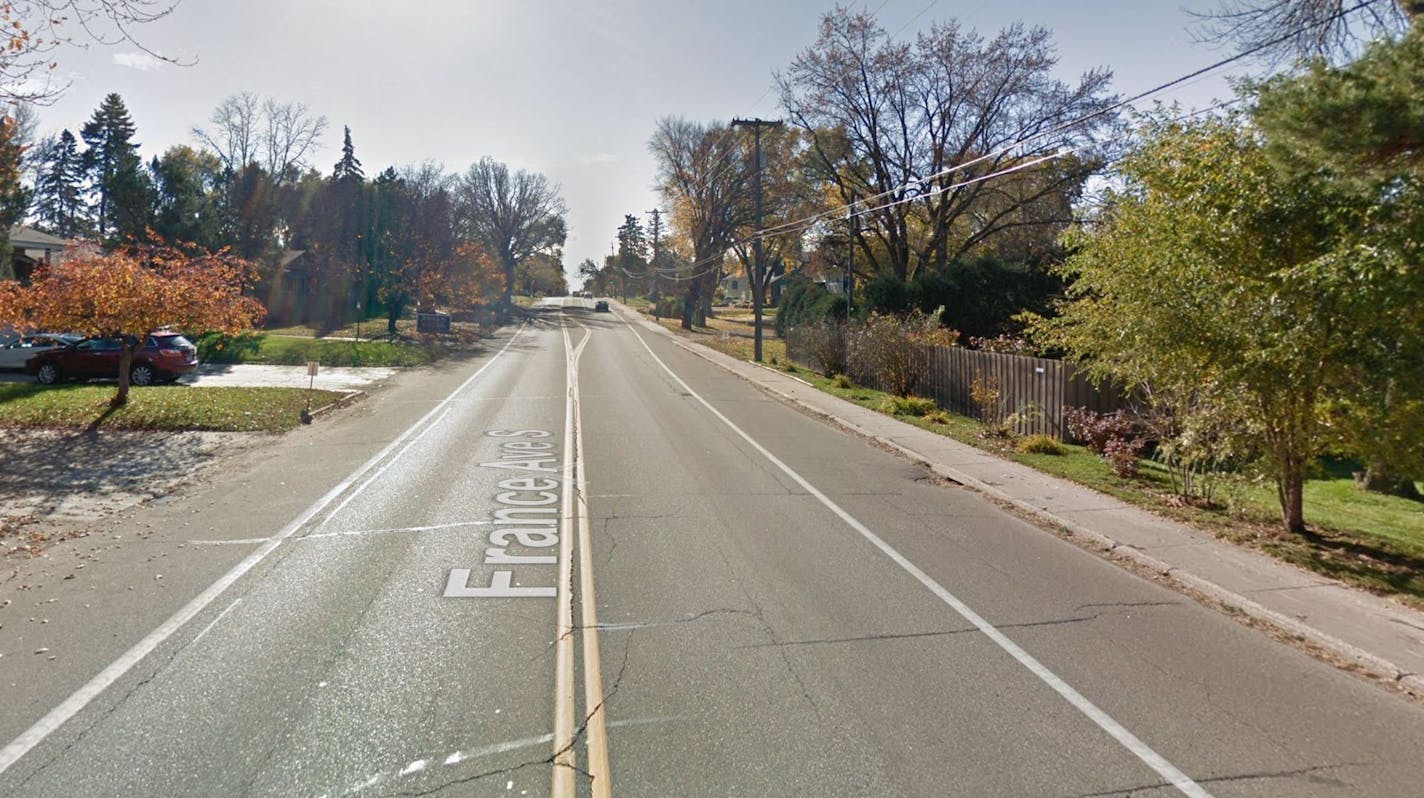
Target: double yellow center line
(574, 512)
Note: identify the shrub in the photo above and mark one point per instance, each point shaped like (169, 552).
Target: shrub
(1004, 344)
(885, 351)
(1096, 430)
(825, 343)
(805, 302)
(842, 381)
(1121, 454)
(987, 398)
(219, 348)
(1040, 444)
(668, 307)
(908, 406)
(939, 417)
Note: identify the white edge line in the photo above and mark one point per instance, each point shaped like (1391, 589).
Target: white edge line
(1118, 732)
(80, 698)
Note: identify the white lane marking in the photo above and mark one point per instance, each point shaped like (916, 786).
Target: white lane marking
(80, 698)
(390, 530)
(593, 698)
(1105, 722)
(456, 757)
(221, 615)
(384, 467)
(345, 533)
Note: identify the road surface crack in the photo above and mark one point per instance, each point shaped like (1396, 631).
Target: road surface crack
(1310, 773)
(911, 635)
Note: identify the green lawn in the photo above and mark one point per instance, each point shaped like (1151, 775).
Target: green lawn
(734, 339)
(1370, 540)
(284, 349)
(169, 407)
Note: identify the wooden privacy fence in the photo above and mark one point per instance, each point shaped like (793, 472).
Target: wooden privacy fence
(1034, 394)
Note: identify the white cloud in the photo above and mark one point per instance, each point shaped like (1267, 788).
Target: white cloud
(602, 157)
(143, 62)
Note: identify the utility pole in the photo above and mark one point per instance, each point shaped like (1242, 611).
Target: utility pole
(850, 257)
(759, 279)
(655, 230)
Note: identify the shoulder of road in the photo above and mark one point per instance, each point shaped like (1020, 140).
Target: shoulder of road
(1359, 630)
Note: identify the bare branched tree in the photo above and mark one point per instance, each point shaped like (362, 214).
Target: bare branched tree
(278, 136)
(292, 133)
(235, 130)
(704, 175)
(35, 29)
(512, 214)
(924, 129)
(1281, 31)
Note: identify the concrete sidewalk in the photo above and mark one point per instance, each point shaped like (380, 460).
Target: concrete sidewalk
(1380, 636)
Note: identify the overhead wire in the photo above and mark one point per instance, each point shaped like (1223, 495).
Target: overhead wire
(849, 209)
(1191, 76)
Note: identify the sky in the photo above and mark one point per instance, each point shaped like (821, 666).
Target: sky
(570, 88)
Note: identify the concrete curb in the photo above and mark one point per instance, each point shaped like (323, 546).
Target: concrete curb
(349, 397)
(1188, 582)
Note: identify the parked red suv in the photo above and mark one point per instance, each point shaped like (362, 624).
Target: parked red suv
(165, 357)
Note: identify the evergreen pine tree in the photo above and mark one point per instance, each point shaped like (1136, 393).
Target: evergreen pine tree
(348, 166)
(112, 163)
(59, 189)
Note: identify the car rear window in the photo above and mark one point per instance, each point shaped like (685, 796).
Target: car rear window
(170, 341)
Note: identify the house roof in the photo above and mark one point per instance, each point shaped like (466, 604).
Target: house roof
(22, 237)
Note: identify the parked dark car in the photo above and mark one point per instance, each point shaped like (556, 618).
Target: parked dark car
(17, 351)
(165, 357)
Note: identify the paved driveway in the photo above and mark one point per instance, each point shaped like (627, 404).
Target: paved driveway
(329, 378)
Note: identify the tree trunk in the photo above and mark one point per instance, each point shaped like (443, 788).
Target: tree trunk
(690, 303)
(1376, 478)
(1291, 489)
(393, 312)
(125, 366)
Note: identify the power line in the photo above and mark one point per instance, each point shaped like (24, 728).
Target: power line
(807, 222)
(1100, 112)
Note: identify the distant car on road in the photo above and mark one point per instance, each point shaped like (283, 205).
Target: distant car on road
(601, 305)
(14, 352)
(165, 357)
(588, 295)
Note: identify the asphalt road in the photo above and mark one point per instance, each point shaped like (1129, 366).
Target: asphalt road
(590, 563)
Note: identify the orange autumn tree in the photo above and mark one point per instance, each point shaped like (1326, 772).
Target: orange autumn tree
(129, 294)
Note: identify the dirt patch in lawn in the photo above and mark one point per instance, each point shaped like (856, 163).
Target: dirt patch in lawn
(54, 483)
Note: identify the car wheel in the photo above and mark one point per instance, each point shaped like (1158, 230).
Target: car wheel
(143, 374)
(47, 374)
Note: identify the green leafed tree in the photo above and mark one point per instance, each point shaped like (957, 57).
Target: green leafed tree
(1238, 289)
(1360, 130)
(185, 182)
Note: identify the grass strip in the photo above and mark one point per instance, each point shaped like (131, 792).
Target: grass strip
(168, 407)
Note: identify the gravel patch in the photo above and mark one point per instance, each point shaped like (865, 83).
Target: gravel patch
(53, 481)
